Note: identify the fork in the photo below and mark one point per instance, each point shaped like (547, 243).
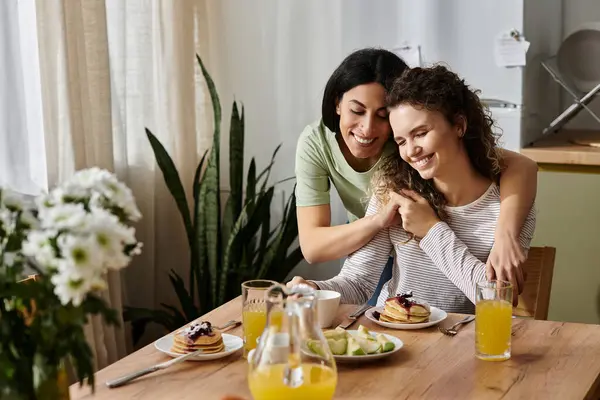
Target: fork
(350, 319)
(229, 324)
(452, 330)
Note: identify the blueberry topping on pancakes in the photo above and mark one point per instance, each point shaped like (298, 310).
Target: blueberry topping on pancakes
(404, 300)
(195, 330)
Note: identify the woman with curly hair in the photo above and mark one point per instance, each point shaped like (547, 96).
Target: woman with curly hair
(350, 142)
(443, 180)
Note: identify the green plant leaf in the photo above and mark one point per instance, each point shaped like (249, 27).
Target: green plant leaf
(197, 260)
(234, 204)
(231, 257)
(178, 319)
(258, 221)
(280, 244)
(212, 89)
(199, 250)
(288, 265)
(173, 182)
(267, 170)
(198, 176)
(290, 232)
(251, 183)
(244, 232)
(186, 302)
(210, 192)
(140, 317)
(236, 159)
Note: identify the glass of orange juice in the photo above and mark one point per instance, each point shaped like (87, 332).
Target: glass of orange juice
(254, 311)
(493, 320)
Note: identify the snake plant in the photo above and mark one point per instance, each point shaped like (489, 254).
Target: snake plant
(226, 247)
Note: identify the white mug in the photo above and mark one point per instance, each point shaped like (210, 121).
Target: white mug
(327, 305)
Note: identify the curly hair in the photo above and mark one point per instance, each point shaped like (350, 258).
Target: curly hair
(438, 89)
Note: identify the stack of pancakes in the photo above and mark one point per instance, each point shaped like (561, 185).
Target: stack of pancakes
(402, 309)
(198, 336)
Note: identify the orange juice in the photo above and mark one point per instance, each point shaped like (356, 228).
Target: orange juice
(266, 383)
(493, 320)
(254, 320)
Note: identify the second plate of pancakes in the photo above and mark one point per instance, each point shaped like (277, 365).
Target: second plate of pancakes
(436, 316)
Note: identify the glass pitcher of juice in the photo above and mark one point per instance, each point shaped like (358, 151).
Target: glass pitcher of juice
(292, 359)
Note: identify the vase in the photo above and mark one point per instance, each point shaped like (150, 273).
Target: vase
(56, 386)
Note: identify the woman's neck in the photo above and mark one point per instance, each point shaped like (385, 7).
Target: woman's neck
(462, 184)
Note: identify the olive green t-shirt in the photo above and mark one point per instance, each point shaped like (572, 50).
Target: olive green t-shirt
(320, 163)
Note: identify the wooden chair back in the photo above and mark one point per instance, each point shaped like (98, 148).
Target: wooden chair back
(535, 298)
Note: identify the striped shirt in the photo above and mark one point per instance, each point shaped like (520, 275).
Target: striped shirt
(441, 269)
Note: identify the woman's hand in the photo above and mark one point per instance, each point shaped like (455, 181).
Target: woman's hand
(504, 263)
(388, 215)
(417, 215)
(298, 280)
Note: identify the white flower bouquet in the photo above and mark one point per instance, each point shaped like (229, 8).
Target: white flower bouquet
(72, 237)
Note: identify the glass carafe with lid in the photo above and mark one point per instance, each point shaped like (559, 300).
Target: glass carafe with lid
(292, 359)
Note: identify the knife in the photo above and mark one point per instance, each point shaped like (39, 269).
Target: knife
(350, 319)
(127, 378)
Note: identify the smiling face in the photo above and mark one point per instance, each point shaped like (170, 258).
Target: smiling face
(426, 140)
(364, 123)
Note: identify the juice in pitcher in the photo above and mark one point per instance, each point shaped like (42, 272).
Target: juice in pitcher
(279, 368)
(493, 323)
(267, 383)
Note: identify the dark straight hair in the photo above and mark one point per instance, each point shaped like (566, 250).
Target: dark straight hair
(370, 65)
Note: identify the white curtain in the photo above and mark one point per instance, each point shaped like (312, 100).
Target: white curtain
(22, 162)
(109, 69)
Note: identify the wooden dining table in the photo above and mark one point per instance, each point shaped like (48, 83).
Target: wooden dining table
(550, 360)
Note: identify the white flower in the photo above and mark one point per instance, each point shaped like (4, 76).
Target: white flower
(9, 259)
(11, 199)
(68, 289)
(38, 246)
(113, 193)
(73, 285)
(29, 220)
(80, 232)
(81, 253)
(63, 216)
(112, 237)
(89, 178)
(6, 219)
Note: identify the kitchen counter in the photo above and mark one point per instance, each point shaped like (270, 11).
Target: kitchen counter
(567, 151)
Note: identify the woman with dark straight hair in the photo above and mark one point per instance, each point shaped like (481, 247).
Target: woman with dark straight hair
(349, 144)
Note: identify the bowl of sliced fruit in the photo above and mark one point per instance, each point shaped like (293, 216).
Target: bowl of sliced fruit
(357, 345)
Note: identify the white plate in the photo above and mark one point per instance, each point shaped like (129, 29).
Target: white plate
(437, 315)
(398, 344)
(232, 344)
